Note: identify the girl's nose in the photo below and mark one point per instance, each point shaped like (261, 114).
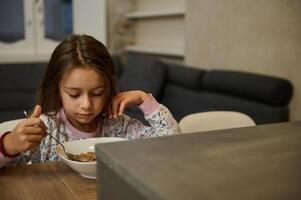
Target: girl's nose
(86, 102)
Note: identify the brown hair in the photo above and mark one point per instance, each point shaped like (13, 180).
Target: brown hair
(75, 51)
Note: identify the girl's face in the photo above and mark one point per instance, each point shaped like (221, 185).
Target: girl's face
(83, 93)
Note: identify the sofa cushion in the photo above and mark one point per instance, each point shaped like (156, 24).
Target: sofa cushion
(184, 76)
(18, 85)
(144, 73)
(262, 88)
(261, 113)
(11, 114)
(117, 65)
(21, 76)
(17, 99)
(182, 101)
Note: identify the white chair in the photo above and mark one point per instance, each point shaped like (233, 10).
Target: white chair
(214, 120)
(9, 125)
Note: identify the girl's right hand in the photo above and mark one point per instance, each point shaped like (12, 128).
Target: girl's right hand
(26, 135)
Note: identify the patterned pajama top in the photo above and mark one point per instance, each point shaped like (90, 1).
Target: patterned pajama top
(160, 119)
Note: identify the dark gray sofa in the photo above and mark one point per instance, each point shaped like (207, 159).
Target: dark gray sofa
(18, 84)
(186, 90)
(182, 89)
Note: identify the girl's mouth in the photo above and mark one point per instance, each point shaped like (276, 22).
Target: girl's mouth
(85, 115)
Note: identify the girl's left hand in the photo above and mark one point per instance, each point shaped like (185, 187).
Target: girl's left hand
(126, 99)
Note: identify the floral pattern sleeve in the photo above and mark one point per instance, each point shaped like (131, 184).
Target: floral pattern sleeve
(161, 123)
(160, 119)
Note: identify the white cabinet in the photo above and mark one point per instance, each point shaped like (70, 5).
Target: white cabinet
(31, 29)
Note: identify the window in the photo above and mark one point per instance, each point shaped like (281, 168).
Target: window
(31, 29)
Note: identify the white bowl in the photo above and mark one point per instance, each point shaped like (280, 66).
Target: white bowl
(86, 169)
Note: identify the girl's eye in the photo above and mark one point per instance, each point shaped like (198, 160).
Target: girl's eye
(97, 94)
(74, 95)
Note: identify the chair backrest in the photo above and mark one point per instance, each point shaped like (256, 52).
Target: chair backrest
(9, 125)
(214, 120)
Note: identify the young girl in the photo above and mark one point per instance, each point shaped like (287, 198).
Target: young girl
(78, 99)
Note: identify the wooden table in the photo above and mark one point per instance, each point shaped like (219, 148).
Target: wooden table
(52, 180)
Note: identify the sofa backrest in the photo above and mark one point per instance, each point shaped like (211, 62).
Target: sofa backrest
(185, 90)
(264, 98)
(18, 85)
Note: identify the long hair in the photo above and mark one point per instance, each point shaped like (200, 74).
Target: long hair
(75, 51)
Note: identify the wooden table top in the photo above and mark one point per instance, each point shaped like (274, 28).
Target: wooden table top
(51, 180)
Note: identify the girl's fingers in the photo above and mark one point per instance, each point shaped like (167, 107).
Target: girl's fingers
(31, 122)
(34, 138)
(27, 142)
(28, 146)
(115, 108)
(34, 131)
(37, 112)
(121, 108)
(125, 99)
(111, 113)
(33, 126)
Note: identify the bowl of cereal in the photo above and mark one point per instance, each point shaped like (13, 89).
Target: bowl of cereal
(85, 150)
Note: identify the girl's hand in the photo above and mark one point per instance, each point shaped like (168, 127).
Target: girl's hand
(126, 99)
(26, 135)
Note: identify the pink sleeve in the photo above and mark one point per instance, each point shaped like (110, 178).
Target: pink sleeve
(4, 160)
(149, 105)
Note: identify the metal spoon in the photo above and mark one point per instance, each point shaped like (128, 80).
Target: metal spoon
(69, 155)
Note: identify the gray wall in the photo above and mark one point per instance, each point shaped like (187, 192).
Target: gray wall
(262, 36)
